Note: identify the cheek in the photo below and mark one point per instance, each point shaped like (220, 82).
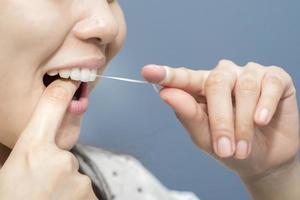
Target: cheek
(31, 30)
(15, 112)
(117, 44)
(29, 34)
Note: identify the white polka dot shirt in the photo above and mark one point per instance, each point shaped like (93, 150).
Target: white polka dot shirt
(122, 177)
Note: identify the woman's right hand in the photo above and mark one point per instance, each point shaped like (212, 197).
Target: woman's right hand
(36, 168)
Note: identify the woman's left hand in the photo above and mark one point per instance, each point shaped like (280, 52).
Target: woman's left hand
(246, 117)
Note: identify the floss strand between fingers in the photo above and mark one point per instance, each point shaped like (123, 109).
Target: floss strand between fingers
(155, 87)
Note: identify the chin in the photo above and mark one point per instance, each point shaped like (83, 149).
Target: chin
(69, 132)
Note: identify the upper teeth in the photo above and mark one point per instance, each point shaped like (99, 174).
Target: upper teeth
(76, 74)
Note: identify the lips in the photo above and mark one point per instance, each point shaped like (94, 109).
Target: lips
(79, 103)
(92, 63)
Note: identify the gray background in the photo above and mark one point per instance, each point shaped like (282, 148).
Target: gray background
(130, 118)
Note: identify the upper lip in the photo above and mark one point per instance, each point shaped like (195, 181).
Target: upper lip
(92, 63)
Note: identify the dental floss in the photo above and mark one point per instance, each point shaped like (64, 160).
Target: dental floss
(155, 87)
(123, 79)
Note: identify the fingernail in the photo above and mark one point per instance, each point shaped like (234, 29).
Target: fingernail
(242, 149)
(158, 75)
(224, 147)
(264, 115)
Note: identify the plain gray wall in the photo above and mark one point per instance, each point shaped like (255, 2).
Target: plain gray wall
(130, 118)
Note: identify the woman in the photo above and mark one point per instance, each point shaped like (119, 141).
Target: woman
(246, 117)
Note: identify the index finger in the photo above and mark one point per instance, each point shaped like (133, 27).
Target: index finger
(50, 110)
(181, 78)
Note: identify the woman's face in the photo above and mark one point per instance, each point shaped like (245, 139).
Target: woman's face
(38, 36)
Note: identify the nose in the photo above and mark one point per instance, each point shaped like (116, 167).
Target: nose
(101, 26)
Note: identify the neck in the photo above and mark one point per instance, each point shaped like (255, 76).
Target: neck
(4, 153)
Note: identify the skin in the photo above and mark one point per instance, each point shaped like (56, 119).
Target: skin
(253, 104)
(37, 168)
(40, 35)
(35, 37)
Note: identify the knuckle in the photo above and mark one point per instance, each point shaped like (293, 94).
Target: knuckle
(222, 131)
(183, 69)
(280, 71)
(221, 125)
(68, 162)
(58, 93)
(280, 78)
(85, 185)
(276, 68)
(216, 79)
(274, 79)
(245, 131)
(252, 64)
(172, 76)
(187, 76)
(85, 181)
(224, 62)
(247, 83)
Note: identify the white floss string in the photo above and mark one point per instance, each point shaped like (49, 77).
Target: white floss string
(155, 87)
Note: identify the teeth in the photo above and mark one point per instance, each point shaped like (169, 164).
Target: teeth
(52, 73)
(93, 75)
(85, 75)
(76, 74)
(64, 73)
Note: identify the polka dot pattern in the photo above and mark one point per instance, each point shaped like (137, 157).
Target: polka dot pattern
(127, 178)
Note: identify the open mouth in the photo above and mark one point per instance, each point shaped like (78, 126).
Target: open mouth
(82, 71)
(47, 80)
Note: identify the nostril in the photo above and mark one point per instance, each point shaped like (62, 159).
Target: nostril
(98, 40)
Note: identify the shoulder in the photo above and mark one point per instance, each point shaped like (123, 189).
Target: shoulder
(127, 177)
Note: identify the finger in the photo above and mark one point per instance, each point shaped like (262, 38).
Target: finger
(218, 90)
(181, 78)
(50, 110)
(247, 92)
(276, 85)
(191, 115)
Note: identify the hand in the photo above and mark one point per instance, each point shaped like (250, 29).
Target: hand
(246, 117)
(36, 168)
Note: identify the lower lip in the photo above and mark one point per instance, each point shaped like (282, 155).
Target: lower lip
(79, 107)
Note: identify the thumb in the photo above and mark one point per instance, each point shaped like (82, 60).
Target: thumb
(191, 114)
(49, 112)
